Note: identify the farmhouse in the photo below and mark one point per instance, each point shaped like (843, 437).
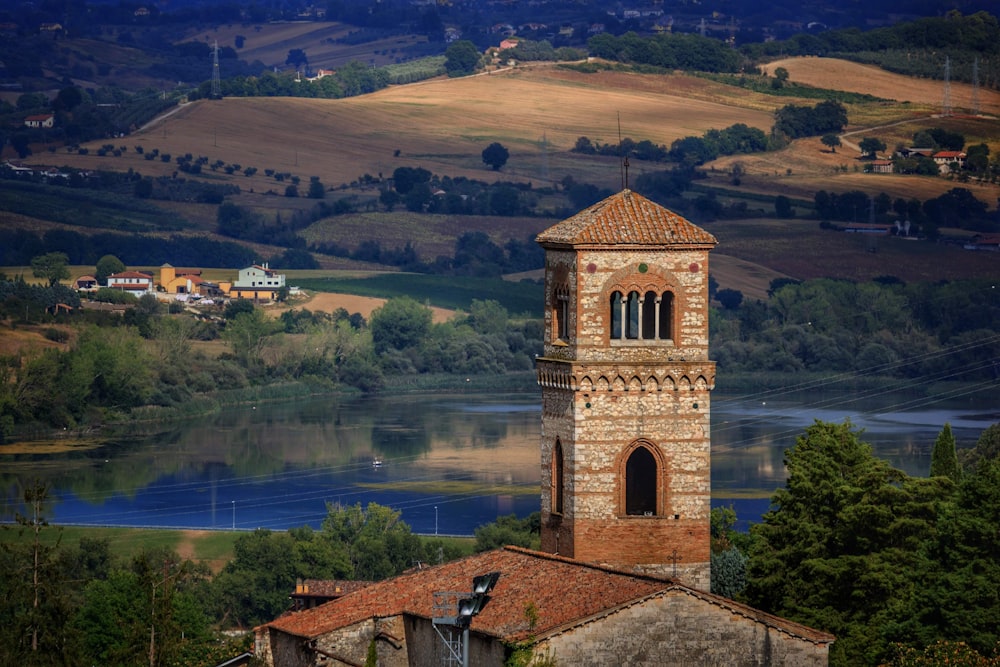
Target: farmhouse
(40, 120)
(257, 282)
(186, 281)
(879, 166)
(947, 160)
(85, 284)
(624, 569)
(134, 282)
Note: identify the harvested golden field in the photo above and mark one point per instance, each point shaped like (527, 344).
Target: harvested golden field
(853, 77)
(329, 302)
(441, 125)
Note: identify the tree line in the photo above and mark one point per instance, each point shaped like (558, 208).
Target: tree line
(81, 605)
(902, 569)
(958, 208)
(145, 358)
(882, 328)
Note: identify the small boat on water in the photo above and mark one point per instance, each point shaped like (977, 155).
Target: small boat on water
(377, 462)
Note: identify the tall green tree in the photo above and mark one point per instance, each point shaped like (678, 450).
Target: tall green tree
(461, 58)
(107, 265)
(870, 146)
(839, 547)
(956, 597)
(495, 156)
(51, 266)
(944, 459)
(35, 606)
(987, 448)
(379, 544)
(399, 323)
(831, 141)
(247, 334)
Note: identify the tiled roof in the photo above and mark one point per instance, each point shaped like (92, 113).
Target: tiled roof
(629, 219)
(565, 593)
(329, 588)
(131, 274)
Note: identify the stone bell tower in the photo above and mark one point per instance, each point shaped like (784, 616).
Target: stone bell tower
(626, 382)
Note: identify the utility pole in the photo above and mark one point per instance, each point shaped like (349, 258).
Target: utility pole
(216, 80)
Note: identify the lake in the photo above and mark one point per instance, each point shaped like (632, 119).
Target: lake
(447, 462)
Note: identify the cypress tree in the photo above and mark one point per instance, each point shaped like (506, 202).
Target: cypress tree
(944, 460)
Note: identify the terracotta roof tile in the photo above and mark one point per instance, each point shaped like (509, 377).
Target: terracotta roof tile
(329, 587)
(565, 593)
(627, 218)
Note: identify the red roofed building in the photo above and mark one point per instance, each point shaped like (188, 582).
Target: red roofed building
(40, 120)
(581, 614)
(947, 159)
(131, 281)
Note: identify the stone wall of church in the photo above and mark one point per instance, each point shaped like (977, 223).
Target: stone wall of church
(679, 628)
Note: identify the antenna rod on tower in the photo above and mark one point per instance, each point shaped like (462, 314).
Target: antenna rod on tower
(621, 152)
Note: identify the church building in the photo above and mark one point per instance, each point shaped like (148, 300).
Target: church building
(623, 574)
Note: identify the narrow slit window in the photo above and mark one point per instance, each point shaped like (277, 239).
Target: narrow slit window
(557, 478)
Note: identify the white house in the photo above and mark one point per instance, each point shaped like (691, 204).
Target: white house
(40, 120)
(131, 281)
(257, 282)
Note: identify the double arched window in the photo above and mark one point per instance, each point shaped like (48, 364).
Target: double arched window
(642, 316)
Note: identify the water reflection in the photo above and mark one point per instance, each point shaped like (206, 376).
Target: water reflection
(473, 457)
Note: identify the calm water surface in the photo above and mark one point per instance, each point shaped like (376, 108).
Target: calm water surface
(448, 462)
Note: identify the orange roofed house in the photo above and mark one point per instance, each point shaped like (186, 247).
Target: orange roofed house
(625, 461)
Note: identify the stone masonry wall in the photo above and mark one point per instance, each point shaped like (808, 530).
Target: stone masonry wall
(592, 275)
(678, 628)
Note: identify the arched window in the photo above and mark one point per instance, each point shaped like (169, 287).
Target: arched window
(557, 478)
(666, 316)
(616, 315)
(640, 483)
(560, 313)
(649, 303)
(632, 316)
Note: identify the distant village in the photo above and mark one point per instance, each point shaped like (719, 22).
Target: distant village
(257, 282)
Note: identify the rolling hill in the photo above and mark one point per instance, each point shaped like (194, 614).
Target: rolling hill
(538, 112)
